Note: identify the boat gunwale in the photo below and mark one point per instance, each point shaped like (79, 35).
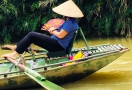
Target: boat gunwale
(81, 59)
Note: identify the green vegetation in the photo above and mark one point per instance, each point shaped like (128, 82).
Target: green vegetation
(101, 17)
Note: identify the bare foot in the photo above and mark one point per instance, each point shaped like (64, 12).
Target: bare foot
(12, 55)
(12, 47)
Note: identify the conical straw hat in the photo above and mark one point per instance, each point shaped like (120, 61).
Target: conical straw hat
(69, 9)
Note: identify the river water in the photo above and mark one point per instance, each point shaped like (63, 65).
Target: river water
(115, 76)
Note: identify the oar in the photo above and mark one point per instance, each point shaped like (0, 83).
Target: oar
(36, 76)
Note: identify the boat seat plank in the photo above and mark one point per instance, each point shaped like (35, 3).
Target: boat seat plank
(110, 48)
(97, 51)
(103, 48)
(113, 47)
(107, 48)
(56, 54)
(93, 51)
(100, 49)
(117, 47)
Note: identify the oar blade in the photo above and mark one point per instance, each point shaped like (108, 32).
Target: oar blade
(45, 84)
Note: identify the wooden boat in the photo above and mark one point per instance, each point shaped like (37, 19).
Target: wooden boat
(60, 69)
(55, 70)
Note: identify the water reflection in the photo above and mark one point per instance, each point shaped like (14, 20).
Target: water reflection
(115, 76)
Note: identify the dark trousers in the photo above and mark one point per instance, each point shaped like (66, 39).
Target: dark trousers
(39, 39)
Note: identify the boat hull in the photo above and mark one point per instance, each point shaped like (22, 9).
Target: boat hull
(61, 74)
